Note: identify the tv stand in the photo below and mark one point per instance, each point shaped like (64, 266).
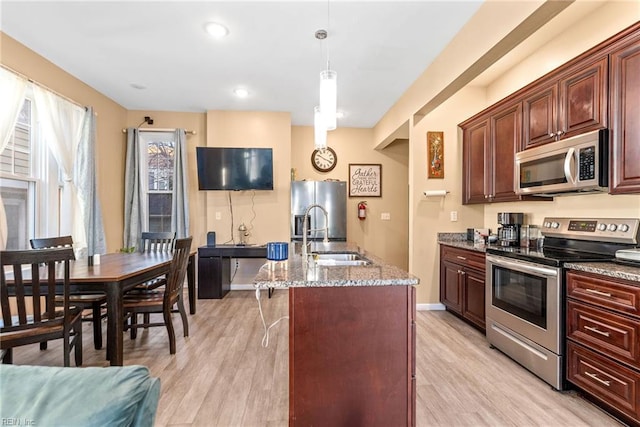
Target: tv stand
(214, 267)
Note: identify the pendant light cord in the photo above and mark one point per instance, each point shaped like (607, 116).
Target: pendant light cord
(328, 32)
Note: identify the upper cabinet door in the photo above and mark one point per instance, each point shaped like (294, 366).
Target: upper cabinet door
(540, 115)
(625, 118)
(476, 162)
(506, 140)
(568, 105)
(583, 99)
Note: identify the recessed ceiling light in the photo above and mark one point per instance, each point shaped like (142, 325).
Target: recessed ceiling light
(241, 92)
(216, 30)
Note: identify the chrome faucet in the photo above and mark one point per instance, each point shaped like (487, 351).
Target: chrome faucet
(305, 230)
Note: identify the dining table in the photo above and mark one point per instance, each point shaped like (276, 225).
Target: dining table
(117, 273)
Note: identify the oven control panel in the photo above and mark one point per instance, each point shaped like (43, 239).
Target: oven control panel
(618, 230)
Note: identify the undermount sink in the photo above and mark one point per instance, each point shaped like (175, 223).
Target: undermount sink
(340, 259)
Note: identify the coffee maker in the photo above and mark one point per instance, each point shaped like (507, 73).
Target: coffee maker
(509, 230)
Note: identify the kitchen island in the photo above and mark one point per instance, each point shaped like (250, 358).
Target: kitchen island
(351, 339)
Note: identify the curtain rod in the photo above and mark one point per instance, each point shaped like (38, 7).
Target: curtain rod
(30, 80)
(188, 132)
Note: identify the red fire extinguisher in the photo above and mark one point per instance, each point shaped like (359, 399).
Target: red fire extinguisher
(362, 210)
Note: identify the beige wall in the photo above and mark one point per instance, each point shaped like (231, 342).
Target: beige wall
(252, 129)
(386, 239)
(493, 21)
(432, 216)
(111, 118)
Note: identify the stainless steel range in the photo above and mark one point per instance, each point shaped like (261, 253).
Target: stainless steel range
(525, 292)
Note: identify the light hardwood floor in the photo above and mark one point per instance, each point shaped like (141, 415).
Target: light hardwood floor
(222, 376)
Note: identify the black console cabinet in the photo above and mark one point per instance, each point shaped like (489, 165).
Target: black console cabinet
(214, 267)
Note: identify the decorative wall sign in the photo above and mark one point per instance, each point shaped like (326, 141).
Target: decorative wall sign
(365, 180)
(435, 154)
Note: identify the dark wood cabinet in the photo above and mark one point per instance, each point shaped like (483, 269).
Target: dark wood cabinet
(624, 100)
(540, 115)
(462, 283)
(603, 341)
(214, 267)
(567, 103)
(451, 286)
(489, 147)
(474, 296)
(506, 140)
(476, 161)
(598, 89)
(352, 356)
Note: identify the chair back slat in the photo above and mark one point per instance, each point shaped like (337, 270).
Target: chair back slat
(157, 241)
(27, 291)
(52, 242)
(177, 273)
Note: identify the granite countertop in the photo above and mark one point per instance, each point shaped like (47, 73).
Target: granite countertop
(610, 269)
(459, 240)
(295, 273)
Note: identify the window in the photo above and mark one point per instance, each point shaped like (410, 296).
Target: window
(17, 181)
(160, 166)
(29, 182)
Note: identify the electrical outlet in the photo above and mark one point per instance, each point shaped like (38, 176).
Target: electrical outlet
(454, 216)
(218, 216)
(385, 216)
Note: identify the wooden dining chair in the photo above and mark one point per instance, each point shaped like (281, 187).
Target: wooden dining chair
(25, 319)
(163, 301)
(155, 242)
(93, 302)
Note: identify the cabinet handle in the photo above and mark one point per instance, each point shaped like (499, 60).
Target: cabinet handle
(551, 135)
(595, 377)
(560, 132)
(462, 273)
(461, 257)
(597, 331)
(594, 291)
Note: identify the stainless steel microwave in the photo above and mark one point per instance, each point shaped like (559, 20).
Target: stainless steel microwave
(572, 165)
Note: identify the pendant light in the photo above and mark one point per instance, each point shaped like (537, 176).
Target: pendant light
(329, 97)
(319, 129)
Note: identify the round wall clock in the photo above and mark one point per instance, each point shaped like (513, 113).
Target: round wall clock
(324, 160)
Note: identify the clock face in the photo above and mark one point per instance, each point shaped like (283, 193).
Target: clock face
(324, 160)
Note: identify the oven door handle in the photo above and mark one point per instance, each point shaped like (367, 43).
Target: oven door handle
(524, 267)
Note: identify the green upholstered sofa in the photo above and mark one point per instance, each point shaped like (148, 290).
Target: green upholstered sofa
(55, 396)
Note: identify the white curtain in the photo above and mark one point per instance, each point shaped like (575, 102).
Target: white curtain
(12, 88)
(62, 123)
(180, 199)
(86, 182)
(135, 190)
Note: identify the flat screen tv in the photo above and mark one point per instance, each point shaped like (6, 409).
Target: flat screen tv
(230, 168)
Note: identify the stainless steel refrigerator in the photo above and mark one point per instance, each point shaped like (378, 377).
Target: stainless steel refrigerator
(331, 195)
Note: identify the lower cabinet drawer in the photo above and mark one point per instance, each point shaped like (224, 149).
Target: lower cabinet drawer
(612, 334)
(604, 379)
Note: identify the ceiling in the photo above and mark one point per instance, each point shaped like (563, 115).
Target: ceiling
(156, 56)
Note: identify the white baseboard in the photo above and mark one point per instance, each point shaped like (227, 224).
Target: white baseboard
(430, 307)
(240, 287)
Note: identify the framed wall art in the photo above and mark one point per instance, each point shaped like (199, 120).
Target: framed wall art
(365, 180)
(435, 154)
